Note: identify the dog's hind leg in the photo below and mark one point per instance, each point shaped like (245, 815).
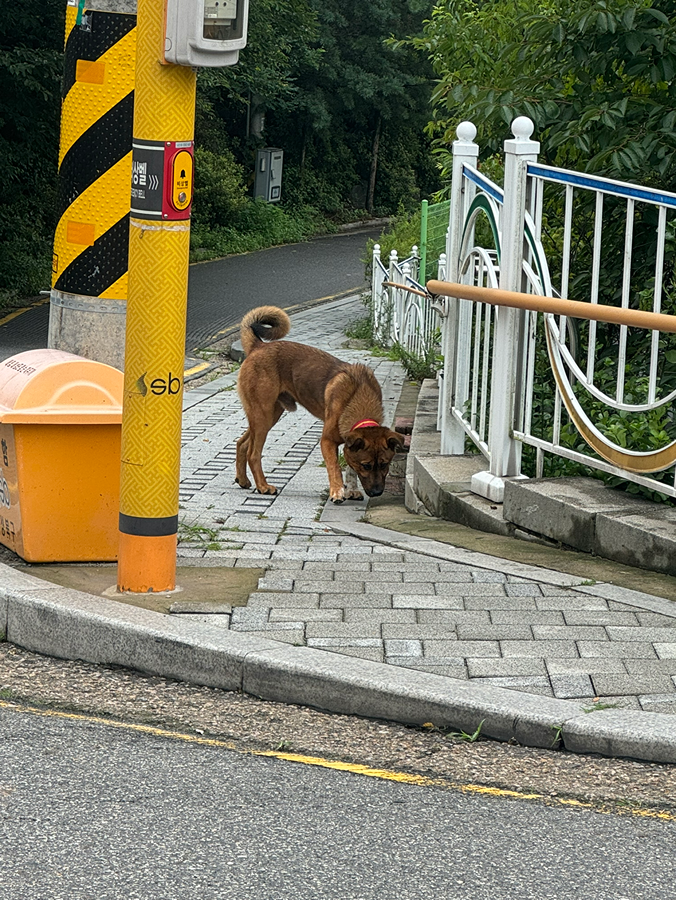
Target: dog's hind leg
(254, 450)
(241, 477)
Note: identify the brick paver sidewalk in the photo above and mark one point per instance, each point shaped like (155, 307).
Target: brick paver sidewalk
(425, 610)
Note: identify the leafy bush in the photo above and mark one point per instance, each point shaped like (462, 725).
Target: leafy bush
(219, 188)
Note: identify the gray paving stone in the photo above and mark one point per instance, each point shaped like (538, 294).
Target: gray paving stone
(381, 616)
(439, 577)
(486, 576)
(308, 601)
(270, 583)
(569, 633)
(419, 632)
(485, 591)
(315, 586)
(633, 684)
(453, 616)
(362, 601)
(645, 666)
(571, 601)
(393, 587)
(599, 617)
(660, 703)
(526, 617)
(286, 636)
(617, 649)
(587, 666)
(665, 651)
(654, 619)
(257, 615)
(469, 632)
(403, 648)
(654, 635)
(450, 667)
(463, 649)
(541, 649)
(567, 687)
(424, 567)
(426, 602)
(530, 684)
(491, 603)
(327, 643)
(306, 615)
(343, 630)
(523, 590)
(351, 575)
(501, 667)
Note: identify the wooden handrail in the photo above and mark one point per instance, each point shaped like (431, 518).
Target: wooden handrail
(634, 318)
(405, 287)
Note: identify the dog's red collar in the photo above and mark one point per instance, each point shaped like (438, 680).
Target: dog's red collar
(365, 423)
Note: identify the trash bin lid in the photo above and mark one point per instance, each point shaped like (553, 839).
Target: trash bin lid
(53, 387)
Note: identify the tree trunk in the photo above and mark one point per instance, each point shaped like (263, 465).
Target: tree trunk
(374, 166)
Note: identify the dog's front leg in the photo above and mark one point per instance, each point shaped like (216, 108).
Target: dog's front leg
(352, 491)
(330, 454)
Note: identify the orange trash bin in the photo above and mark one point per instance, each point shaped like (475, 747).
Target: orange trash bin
(60, 429)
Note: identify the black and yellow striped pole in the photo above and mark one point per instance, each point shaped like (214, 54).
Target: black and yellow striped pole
(89, 267)
(159, 239)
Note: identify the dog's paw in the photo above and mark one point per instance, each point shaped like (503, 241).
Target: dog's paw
(353, 495)
(267, 489)
(244, 483)
(338, 496)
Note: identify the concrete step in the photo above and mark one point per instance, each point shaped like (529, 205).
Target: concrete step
(582, 513)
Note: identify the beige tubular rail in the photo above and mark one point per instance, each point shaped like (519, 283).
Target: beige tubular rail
(633, 318)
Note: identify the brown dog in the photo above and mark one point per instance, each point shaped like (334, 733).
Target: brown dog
(276, 375)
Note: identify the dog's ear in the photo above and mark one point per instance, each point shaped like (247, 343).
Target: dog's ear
(396, 442)
(355, 444)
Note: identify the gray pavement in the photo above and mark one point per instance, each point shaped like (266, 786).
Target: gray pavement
(92, 810)
(455, 615)
(354, 618)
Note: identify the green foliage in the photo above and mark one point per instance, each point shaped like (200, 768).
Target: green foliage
(30, 73)
(257, 225)
(219, 190)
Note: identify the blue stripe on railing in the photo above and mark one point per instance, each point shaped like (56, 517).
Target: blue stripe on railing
(484, 183)
(605, 185)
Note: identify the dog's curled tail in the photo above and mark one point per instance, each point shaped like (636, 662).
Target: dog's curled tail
(265, 323)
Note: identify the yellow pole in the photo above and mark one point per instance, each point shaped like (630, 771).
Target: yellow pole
(164, 117)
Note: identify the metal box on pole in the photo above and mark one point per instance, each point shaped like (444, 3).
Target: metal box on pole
(268, 181)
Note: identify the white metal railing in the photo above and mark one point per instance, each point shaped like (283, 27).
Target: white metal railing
(489, 374)
(399, 316)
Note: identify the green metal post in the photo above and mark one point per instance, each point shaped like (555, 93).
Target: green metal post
(422, 272)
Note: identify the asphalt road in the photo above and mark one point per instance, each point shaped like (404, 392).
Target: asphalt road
(97, 811)
(220, 292)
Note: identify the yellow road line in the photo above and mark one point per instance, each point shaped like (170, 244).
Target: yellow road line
(19, 312)
(337, 765)
(200, 367)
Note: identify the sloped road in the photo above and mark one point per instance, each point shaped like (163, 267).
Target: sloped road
(220, 292)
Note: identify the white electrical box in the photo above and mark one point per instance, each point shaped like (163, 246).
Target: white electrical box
(268, 180)
(205, 32)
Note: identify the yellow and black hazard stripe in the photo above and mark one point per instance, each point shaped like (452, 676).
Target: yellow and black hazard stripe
(91, 243)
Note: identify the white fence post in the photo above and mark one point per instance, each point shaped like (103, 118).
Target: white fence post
(465, 151)
(505, 451)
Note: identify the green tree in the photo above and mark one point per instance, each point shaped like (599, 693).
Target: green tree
(30, 73)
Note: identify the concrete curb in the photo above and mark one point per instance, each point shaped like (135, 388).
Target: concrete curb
(69, 624)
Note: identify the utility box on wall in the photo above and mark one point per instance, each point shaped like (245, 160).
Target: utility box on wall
(268, 182)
